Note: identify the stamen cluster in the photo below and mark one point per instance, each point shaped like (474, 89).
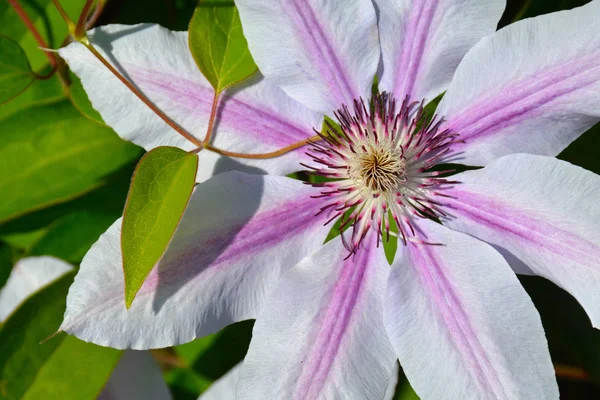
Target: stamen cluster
(378, 163)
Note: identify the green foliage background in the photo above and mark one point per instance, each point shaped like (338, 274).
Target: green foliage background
(64, 178)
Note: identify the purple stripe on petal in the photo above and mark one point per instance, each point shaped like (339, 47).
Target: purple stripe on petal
(524, 226)
(337, 319)
(530, 97)
(410, 58)
(458, 324)
(319, 46)
(235, 113)
(224, 248)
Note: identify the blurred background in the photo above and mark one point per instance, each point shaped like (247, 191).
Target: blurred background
(64, 177)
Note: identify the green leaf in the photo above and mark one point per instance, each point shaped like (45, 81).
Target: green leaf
(47, 21)
(52, 154)
(40, 92)
(6, 263)
(73, 235)
(80, 100)
(208, 359)
(160, 189)
(218, 44)
(62, 367)
(67, 230)
(15, 71)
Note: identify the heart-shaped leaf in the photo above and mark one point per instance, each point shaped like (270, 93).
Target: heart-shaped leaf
(218, 44)
(160, 189)
(15, 71)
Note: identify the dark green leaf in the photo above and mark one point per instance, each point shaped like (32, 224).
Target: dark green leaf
(160, 189)
(15, 71)
(209, 358)
(6, 263)
(50, 230)
(52, 154)
(47, 21)
(72, 236)
(218, 44)
(45, 91)
(62, 367)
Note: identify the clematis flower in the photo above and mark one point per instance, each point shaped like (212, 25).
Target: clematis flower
(333, 318)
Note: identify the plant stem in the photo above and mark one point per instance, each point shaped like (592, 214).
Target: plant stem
(31, 27)
(80, 28)
(271, 154)
(97, 12)
(143, 98)
(213, 115)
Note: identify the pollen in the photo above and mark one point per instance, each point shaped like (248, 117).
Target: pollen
(378, 164)
(379, 168)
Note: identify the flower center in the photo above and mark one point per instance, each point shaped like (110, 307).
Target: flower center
(380, 168)
(379, 164)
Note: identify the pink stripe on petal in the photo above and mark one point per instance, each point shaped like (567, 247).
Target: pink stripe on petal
(321, 48)
(532, 87)
(462, 333)
(423, 41)
(410, 57)
(540, 212)
(219, 248)
(237, 115)
(534, 96)
(462, 324)
(321, 334)
(523, 225)
(341, 312)
(239, 234)
(323, 53)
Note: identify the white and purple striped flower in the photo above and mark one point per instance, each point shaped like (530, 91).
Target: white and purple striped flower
(332, 318)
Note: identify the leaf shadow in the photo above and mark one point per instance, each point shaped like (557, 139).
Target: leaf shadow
(177, 266)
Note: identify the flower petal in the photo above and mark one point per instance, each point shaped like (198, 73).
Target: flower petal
(461, 323)
(538, 211)
(224, 387)
(533, 87)
(321, 332)
(27, 277)
(323, 53)
(390, 391)
(238, 235)
(137, 376)
(423, 41)
(258, 117)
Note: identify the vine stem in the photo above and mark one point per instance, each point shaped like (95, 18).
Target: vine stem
(81, 26)
(271, 154)
(31, 27)
(82, 38)
(140, 96)
(213, 115)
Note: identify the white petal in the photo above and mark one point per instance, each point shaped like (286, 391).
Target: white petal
(137, 376)
(27, 277)
(224, 387)
(538, 211)
(533, 87)
(321, 333)
(423, 41)
(390, 391)
(462, 324)
(238, 235)
(323, 53)
(257, 117)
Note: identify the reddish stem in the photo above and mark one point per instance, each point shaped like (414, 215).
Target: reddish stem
(31, 27)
